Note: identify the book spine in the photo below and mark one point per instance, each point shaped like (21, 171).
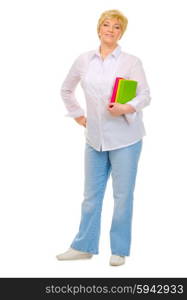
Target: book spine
(118, 89)
(113, 98)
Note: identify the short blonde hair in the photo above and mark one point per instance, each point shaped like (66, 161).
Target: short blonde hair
(114, 13)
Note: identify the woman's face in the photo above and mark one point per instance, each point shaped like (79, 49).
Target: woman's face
(110, 31)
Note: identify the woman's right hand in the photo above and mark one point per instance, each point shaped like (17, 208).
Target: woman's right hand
(81, 120)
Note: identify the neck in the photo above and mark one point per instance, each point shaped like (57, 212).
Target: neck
(107, 48)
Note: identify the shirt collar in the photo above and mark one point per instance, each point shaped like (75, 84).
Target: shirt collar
(115, 53)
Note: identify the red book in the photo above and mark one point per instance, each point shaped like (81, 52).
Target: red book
(115, 89)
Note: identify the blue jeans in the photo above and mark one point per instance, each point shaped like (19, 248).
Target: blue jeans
(122, 164)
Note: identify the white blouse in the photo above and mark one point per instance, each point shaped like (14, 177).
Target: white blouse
(97, 76)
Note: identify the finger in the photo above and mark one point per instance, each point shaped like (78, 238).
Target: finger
(111, 104)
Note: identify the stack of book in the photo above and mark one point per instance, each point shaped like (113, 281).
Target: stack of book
(124, 90)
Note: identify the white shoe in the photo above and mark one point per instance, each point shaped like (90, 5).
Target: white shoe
(116, 260)
(73, 254)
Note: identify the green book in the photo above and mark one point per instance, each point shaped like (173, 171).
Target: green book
(126, 90)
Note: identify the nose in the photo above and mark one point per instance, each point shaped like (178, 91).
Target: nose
(110, 29)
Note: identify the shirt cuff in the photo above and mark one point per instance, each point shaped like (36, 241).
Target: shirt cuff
(75, 114)
(130, 117)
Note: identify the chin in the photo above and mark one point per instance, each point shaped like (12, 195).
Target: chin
(109, 40)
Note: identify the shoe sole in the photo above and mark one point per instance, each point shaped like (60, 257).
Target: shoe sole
(115, 264)
(75, 258)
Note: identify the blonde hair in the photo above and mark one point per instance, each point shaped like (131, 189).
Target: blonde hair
(114, 13)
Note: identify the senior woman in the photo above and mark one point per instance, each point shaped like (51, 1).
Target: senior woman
(113, 137)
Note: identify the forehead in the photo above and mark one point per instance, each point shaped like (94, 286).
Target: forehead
(111, 20)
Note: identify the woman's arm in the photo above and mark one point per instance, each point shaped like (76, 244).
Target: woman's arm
(142, 98)
(67, 90)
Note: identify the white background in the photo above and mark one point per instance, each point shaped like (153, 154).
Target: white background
(42, 151)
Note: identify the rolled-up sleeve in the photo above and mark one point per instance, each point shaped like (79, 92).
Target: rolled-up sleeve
(67, 90)
(142, 98)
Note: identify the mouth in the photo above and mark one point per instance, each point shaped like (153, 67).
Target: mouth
(109, 35)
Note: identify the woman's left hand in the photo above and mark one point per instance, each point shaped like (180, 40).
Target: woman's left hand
(117, 109)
